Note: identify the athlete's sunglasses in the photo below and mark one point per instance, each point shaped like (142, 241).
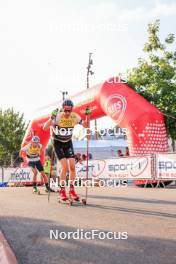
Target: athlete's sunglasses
(67, 110)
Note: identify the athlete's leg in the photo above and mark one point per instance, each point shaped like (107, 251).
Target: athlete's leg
(45, 178)
(72, 171)
(59, 148)
(69, 153)
(34, 179)
(64, 170)
(39, 167)
(63, 174)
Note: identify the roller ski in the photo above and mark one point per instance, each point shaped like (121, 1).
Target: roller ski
(75, 198)
(63, 199)
(35, 190)
(71, 199)
(72, 195)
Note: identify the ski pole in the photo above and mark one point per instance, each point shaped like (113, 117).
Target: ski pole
(87, 113)
(50, 174)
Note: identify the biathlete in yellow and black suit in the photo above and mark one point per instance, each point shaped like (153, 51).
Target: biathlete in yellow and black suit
(31, 153)
(62, 124)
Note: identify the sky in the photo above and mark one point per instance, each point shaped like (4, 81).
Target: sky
(44, 45)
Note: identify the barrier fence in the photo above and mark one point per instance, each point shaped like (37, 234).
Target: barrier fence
(157, 167)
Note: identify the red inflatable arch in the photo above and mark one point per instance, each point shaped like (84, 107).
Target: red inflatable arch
(146, 132)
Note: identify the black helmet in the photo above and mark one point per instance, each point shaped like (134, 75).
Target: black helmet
(67, 102)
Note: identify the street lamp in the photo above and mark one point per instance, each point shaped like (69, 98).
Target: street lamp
(90, 72)
(64, 93)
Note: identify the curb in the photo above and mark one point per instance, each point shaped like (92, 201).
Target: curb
(6, 254)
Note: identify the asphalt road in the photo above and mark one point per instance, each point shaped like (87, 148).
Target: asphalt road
(147, 215)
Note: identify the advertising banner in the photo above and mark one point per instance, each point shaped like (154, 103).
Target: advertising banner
(120, 168)
(166, 166)
(19, 175)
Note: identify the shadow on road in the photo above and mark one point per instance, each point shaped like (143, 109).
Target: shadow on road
(138, 200)
(30, 240)
(132, 210)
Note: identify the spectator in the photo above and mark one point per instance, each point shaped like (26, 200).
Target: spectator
(119, 153)
(83, 157)
(90, 156)
(47, 165)
(78, 157)
(127, 152)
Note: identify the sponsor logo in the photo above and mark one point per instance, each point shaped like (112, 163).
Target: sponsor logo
(116, 168)
(134, 168)
(99, 168)
(139, 167)
(166, 165)
(20, 176)
(116, 106)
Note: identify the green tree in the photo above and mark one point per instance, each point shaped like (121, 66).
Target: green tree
(155, 76)
(12, 129)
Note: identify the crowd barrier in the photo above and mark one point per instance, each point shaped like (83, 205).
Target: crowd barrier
(157, 167)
